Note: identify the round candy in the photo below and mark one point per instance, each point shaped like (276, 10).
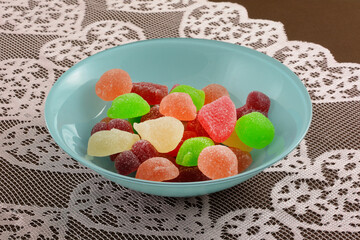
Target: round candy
(126, 162)
(112, 84)
(197, 96)
(258, 101)
(255, 130)
(128, 106)
(189, 151)
(100, 126)
(214, 91)
(120, 124)
(157, 169)
(178, 105)
(144, 150)
(217, 162)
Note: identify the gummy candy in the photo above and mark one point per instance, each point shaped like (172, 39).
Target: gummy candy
(100, 126)
(105, 143)
(244, 159)
(106, 120)
(150, 92)
(217, 162)
(157, 169)
(195, 126)
(218, 118)
(255, 102)
(198, 96)
(126, 162)
(120, 124)
(128, 106)
(187, 135)
(234, 141)
(178, 105)
(144, 150)
(189, 174)
(134, 120)
(112, 84)
(175, 85)
(241, 111)
(163, 133)
(153, 114)
(214, 91)
(113, 156)
(189, 151)
(255, 130)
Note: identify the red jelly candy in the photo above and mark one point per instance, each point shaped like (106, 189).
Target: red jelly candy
(153, 114)
(100, 126)
(244, 159)
(126, 162)
(186, 135)
(112, 84)
(157, 169)
(174, 86)
(241, 111)
(189, 174)
(120, 124)
(144, 150)
(151, 92)
(255, 102)
(218, 118)
(195, 126)
(113, 156)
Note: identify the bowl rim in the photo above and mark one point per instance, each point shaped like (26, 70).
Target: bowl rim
(212, 43)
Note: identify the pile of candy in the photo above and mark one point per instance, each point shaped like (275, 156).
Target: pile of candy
(183, 136)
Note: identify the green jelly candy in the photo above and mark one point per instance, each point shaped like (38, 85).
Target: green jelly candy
(197, 96)
(190, 150)
(134, 120)
(128, 105)
(255, 130)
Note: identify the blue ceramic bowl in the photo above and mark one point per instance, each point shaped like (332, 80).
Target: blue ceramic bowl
(72, 107)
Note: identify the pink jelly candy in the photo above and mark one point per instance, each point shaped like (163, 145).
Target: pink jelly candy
(153, 114)
(120, 124)
(214, 91)
(144, 150)
(126, 162)
(152, 93)
(255, 102)
(244, 159)
(187, 135)
(157, 169)
(178, 105)
(112, 84)
(217, 162)
(218, 118)
(195, 126)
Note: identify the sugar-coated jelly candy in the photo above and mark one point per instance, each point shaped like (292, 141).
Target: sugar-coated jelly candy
(189, 174)
(234, 141)
(241, 111)
(197, 96)
(218, 118)
(255, 102)
(186, 135)
(100, 126)
(106, 143)
(128, 106)
(244, 159)
(195, 126)
(178, 105)
(120, 124)
(163, 133)
(214, 91)
(157, 169)
(150, 92)
(153, 114)
(189, 151)
(217, 162)
(112, 84)
(126, 162)
(106, 119)
(113, 156)
(255, 130)
(144, 150)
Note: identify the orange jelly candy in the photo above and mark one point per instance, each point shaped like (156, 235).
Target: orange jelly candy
(157, 169)
(214, 91)
(244, 159)
(112, 84)
(178, 105)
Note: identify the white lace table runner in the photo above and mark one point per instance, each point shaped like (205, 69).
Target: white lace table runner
(314, 193)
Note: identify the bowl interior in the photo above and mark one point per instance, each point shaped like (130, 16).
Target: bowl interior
(72, 107)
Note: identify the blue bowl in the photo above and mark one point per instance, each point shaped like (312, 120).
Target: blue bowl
(72, 107)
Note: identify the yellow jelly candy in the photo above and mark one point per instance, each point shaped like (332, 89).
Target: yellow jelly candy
(163, 133)
(234, 141)
(105, 143)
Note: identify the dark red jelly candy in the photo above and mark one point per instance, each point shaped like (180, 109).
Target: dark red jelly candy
(113, 156)
(144, 150)
(195, 126)
(259, 102)
(151, 92)
(100, 126)
(126, 162)
(241, 111)
(153, 114)
(189, 174)
(120, 124)
(186, 135)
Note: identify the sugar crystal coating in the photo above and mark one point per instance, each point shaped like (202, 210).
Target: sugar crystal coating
(186, 135)
(120, 124)
(151, 92)
(255, 130)
(218, 118)
(128, 106)
(214, 91)
(112, 84)
(126, 162)
(244, 159)
(217, 162)
(163, 133)
(153, 114)
(197, 96)
(258, 101)
(106, 143)
(234, 141)
(189, 151)
(157, 169)
(178, 105)
(100, 126)
(144, 150)
(195, 126)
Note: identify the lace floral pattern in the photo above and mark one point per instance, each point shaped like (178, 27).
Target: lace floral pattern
(312, 193)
